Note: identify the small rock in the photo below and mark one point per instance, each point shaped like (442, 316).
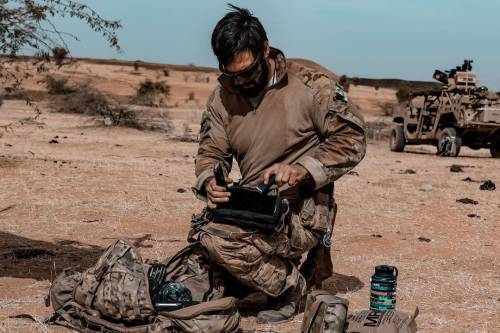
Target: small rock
(8, 145)
(456, 168)
(487, 186)
(467, 201)
(424, 239)
(92, 221)
(53, 141)
(108, 121)
(181, 190)
(376, 235)
(426, 187)
(473, 215)
(353, 173)
(407, 172)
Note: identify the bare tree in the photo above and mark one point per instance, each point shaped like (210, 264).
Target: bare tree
(27, 28)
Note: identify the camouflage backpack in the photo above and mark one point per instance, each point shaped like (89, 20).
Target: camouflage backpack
(113, 296)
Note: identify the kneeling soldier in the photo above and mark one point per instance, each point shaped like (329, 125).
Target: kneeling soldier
(274, 118)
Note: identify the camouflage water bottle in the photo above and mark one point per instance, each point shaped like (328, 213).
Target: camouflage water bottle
(383, 288)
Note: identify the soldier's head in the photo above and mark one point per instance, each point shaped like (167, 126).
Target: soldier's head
(240, 44)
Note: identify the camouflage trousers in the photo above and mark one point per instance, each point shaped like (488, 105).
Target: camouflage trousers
(266, 262)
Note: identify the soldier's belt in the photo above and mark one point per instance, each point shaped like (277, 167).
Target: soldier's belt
(254, 208)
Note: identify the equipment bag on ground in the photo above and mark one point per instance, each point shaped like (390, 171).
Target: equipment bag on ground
(324, 313)
(390, 321)
(113, 296)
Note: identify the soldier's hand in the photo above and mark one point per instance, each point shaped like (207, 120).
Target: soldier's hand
(216, 194)
(286, 174)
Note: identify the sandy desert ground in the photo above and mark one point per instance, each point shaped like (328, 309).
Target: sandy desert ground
(62, 203)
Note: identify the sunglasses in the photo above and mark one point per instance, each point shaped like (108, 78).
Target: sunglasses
(245, 73)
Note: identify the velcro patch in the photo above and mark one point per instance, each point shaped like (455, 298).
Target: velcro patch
(340, 93)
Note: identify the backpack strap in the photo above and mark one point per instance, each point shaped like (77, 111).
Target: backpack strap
(64, 317)
(116, 253)
(73, 315)
(190, 312)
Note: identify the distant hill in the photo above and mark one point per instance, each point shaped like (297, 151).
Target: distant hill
(191, 85)
(395, 84)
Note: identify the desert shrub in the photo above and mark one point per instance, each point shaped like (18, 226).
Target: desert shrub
(136, 65)
(187, 134)
(59, 54)
(149, 86)
(403, 93)
(201, 78)
(166, 72)
(88, 101)
(191, 96)
(186, 128)
(151, 93)
(388, 109)
(57, 86)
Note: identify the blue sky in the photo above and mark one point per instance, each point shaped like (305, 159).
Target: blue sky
(405, 39)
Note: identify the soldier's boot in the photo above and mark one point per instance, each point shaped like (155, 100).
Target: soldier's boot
(288, 305)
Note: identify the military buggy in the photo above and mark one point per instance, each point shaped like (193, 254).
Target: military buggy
(461, 113)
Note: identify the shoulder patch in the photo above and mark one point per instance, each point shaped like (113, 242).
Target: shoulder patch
(340, 93)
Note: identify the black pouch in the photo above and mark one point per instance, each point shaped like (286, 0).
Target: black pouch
(252, 207)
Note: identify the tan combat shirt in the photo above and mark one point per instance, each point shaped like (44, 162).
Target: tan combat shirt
(303, 118)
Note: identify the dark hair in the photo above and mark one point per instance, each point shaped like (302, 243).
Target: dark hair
(238, 30)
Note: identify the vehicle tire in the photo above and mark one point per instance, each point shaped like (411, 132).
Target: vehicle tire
(398, 139)
(452, 150)
(495, 148)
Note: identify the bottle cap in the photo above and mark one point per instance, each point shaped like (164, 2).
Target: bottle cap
(386, 270)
